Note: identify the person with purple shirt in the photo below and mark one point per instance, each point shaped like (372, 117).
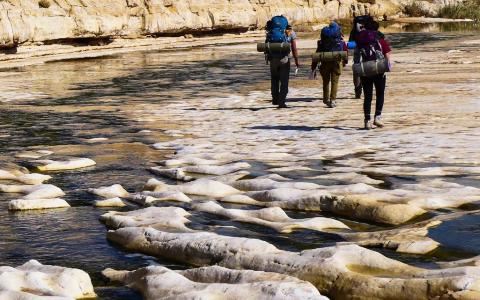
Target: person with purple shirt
(371, 44)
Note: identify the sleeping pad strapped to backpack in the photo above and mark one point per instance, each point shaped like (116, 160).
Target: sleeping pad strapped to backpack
(276, 35)
(373, 61)
(330, 46)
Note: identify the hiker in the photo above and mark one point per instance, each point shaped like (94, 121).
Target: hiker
(358, 26)
(331, 65)
(372, 49)
(279, 31)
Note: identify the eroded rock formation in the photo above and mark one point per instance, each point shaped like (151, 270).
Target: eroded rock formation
(24, 21)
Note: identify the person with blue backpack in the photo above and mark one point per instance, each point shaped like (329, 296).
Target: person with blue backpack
(331, 65)
(280, 32)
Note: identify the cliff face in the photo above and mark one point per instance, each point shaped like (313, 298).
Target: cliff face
(25, 21)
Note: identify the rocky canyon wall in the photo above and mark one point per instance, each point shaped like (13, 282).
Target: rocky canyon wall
(30, 21)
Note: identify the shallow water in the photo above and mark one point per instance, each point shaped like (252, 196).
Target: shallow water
(59, 106)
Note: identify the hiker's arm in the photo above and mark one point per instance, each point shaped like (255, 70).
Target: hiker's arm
(295, 52)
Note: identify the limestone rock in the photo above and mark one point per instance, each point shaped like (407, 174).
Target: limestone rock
(112, 191)
(25, 22)
(157, 282)
(273, 217)
(34, 281)
(33, 154)
(36, 204)
(25, 178)
(112, 202)
(202, 187)
(41, 191)
(176, 174)
(147, 197)
(269, 184)
(346, 271)
(51, 165)
(216, 170)
(165, 218)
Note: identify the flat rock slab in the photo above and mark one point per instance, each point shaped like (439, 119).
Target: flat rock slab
(165, 218)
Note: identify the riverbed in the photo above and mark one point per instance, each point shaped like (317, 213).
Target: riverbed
(134, 100)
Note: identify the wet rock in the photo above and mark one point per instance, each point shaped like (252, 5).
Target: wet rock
(346, 271)
(350, 177)
(41, 191)
(202, 187)
(33, 281)
(157, 282)
(37, 204)
(25, 178)
(217, 170)
(112, 191)
(196, 161)
(146, 197)
(176, 174)
(51, 165)
(474, 261)
(165, 218)
(33, 154)
(269, 184)
(359, 207)
(112, 202)
(274, 218)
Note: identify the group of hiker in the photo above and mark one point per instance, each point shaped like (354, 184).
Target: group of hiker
(371, 60)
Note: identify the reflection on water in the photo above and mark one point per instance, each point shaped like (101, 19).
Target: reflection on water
(61, 105)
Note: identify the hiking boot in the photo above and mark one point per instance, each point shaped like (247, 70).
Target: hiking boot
(368, 125)
(274, 101)
(283, 105)
(378, 122)
(333, 103)
(325, 101)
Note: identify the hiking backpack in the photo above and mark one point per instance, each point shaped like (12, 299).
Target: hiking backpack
(276, 30)
(331, 39)
(369, 46)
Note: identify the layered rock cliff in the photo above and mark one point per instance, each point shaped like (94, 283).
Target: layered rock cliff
(27, 21)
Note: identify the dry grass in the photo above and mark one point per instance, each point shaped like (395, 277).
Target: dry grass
(470, 9)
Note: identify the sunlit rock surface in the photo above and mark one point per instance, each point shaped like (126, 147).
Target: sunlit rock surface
(112, 191)
(25, 178)
(112, 202)
(214, 282)
(33, 281)
(72, 164)
(41, 191)
(337, 271)
(170, 218)
(36, 204)
(274, 218)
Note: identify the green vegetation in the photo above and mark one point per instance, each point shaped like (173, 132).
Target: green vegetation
(416, 9)
(470, 9)
(44, 3)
